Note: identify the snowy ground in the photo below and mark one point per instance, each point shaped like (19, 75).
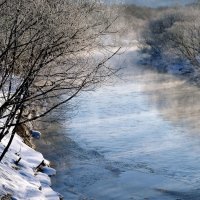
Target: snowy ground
(21, 181)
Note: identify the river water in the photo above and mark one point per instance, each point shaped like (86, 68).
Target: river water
(137, 138)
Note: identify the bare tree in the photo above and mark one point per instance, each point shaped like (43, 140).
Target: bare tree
(46, 49)
(186, 40)
(157, 36)
(175, 35)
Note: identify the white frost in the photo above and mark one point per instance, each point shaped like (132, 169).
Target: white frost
(22, 181)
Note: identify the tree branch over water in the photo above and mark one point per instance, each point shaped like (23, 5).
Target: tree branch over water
(47, 55)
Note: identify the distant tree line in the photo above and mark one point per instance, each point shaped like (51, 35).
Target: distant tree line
(174, 34)
(135, 17)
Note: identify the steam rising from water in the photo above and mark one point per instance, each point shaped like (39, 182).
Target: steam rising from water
(138, 138)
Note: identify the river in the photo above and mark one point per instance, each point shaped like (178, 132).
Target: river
(136, 138)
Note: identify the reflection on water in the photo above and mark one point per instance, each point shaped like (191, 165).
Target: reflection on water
(136, 139)
(178, 103)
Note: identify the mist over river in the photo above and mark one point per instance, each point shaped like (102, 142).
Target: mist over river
(137, 138)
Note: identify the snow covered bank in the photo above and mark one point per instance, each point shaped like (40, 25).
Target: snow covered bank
(23, 180)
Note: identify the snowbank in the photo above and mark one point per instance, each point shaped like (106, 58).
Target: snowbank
(23, 181)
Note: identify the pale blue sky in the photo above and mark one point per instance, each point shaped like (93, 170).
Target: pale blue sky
(154, 3)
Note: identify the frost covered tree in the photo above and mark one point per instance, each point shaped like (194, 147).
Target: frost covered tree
(157, 36)
(47, 57)
(175, 34)
(186, 40)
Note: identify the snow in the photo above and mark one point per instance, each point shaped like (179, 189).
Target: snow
(23, 181)
(49, 171)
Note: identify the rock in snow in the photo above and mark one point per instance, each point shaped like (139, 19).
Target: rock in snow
(35, 134)
(21, 181)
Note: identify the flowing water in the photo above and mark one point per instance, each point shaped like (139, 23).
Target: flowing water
(137, 138)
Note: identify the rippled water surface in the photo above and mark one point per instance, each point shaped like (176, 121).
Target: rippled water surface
(138, 138)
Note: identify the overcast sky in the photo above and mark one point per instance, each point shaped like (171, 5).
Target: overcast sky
(155, 3)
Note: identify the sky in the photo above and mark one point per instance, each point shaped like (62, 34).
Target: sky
(156, 3)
